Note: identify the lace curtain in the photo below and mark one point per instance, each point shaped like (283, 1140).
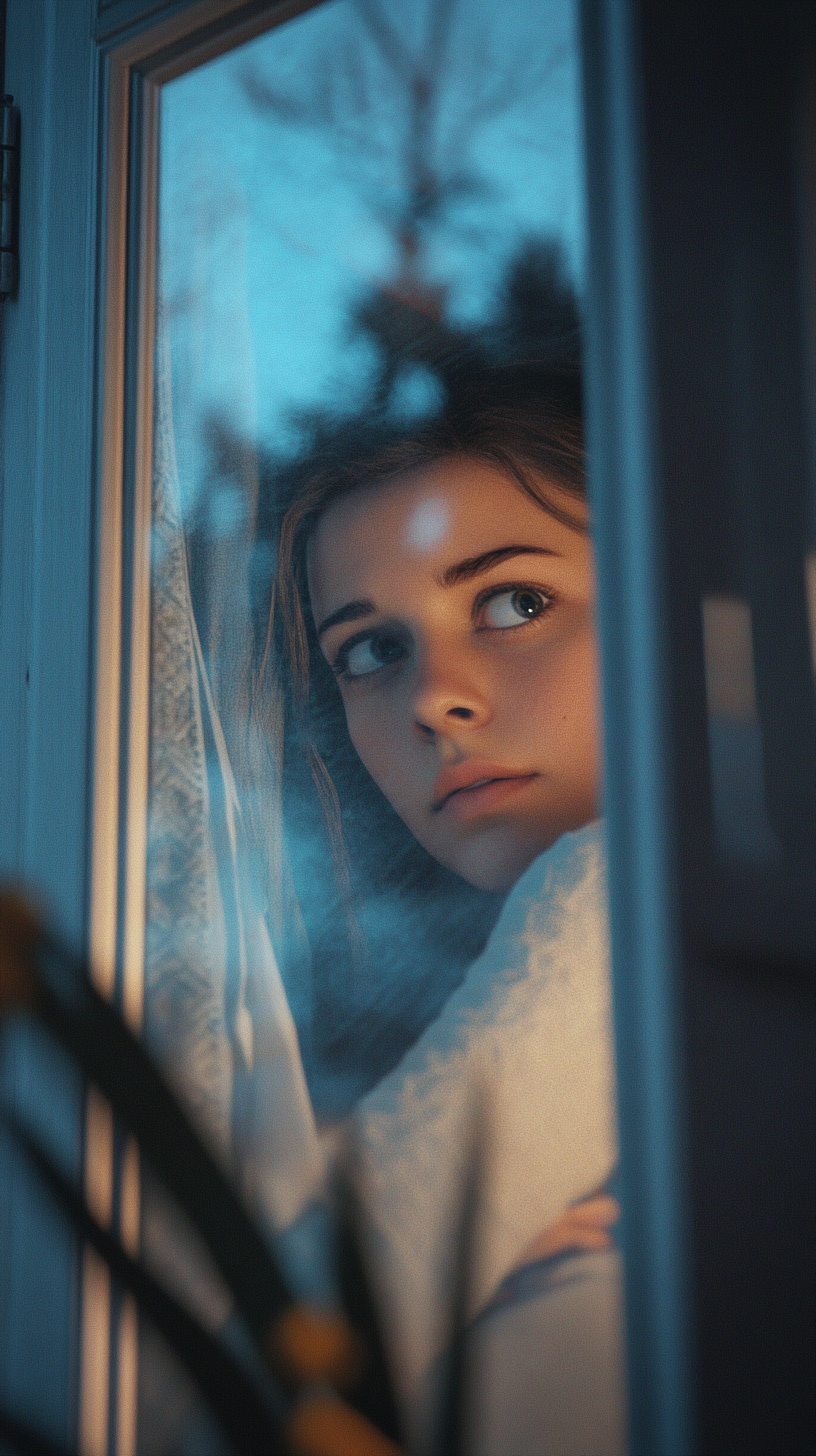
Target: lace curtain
(216, 1013)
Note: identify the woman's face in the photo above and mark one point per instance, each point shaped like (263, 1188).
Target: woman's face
(458, 618)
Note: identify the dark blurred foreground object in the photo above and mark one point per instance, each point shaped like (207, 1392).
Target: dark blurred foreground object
(317, 1383)
(700, 329)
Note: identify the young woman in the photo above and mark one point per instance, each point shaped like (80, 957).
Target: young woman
(436, 589)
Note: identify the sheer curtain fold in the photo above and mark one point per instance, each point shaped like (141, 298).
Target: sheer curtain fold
(216, 1013)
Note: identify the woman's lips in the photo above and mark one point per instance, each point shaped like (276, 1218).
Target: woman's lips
(468, 789)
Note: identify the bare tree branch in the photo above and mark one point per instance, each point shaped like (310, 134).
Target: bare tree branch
(440, 29)
(394, 52)
(428, 157)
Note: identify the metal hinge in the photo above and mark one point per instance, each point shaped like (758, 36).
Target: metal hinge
(9, 197)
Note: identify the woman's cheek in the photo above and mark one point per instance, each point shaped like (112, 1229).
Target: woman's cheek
(359, 727)
(373, 737)
(380, 743)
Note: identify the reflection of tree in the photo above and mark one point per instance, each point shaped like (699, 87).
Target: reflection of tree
(420, 928)
(537, 317)
(401, 116)
(400, 110)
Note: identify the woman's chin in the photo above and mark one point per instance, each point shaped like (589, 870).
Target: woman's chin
(496, 858)
(494, 861)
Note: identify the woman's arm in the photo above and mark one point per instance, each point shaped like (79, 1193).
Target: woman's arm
(582, 1226)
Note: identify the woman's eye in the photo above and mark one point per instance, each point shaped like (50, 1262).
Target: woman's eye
(368, 654)
(513, 608)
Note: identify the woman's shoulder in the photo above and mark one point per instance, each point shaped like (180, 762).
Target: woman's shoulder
(549, 944)
(528, 1033)
(567, 881)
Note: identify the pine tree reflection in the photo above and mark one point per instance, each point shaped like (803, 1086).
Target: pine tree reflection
(363, 989)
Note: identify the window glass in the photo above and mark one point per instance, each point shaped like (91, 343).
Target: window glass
(376, 911)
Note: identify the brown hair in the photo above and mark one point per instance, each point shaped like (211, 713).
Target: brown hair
(525, 419)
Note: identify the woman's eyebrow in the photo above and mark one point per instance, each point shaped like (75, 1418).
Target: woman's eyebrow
(475, 565)
(349, 613)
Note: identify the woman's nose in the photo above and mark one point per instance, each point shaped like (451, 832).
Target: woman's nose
(449, 695)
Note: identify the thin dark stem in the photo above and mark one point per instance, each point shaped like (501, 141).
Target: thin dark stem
(374, 1396)
(112, 1057)
(248, 1418)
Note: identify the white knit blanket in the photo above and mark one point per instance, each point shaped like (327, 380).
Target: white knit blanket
(529, 1029)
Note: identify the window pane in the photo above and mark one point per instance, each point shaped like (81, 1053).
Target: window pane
(376, 907)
